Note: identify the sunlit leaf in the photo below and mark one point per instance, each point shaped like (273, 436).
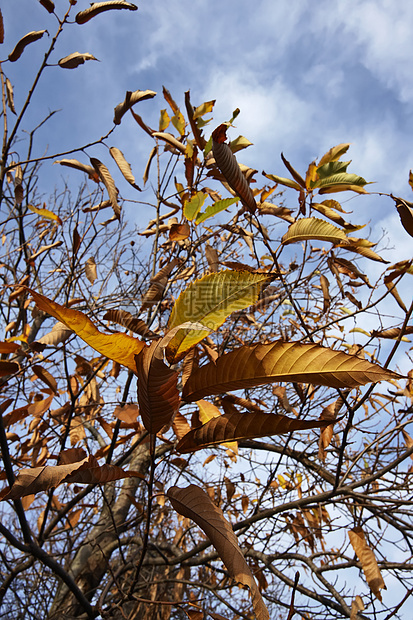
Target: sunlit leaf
(335, 217)
(239, 426)
(74, 60)
(309, 228)
(170, 139)
(164, 120)
(340, 179)
(49, 215)
(178, 122)
(209, 301)
(250, 366)
(100, 7)
(10, 96)
(368, 561)
(74, 163)
(239, 143)
(296, 176)
(24, 41)
(130, 322)
(193, 206)
(215, 208)
(119, 347)
(334, 154)
(283, 181)
(91, 270)
(204, 108)
(193, 503)
(123, 166)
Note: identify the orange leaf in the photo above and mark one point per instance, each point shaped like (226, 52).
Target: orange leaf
(368, 561)
(118, 347)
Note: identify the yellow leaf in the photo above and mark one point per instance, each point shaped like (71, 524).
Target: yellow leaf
(209, 301)
(309, 228)
(368, 561)
(49, 215)
(334, 154)
(164, 120)
(119, 347)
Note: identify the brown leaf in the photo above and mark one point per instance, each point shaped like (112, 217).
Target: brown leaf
(170, 139)
(24, 41)
(74, 163)
(228, 165)
(123, 166)
(193, 503)
(100, 7)
(158, 396)
(90, 270)
(45, 376)
(87, 471)
(211, 255)
(158, 284)
(60, 333)
(130, 99)
(1, 28)
(48, 5)
(148, 165)
(238, 426)
(405, 210)
(368, 561)
(108, 182)
(10, 97)
(260, 364)
(8, 368)
(130, 322)
(127, 413)
(74, 60)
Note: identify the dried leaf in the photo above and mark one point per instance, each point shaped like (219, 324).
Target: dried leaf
(193, 503)
(48, 215)
(405, 210)
(1, 28)
(127, 413)
(24, 41)
(60, 333)
(212, 257)
(158, 396)
(260, 364)
(48, 5)
(130, 322)
(90, 270)
(74, 163)
(326, 293)
(10, 97)
(229, 167)
(108, 182)
(158, 284)
(100, 7)
(367, 560)
(334, 154)
(74, 60)
(123, 166)
(8, 368)
(148, 165)
(239, 426)
(130, 99)
(86, 471)
(170, 139)
(119, 347)
(45, 376)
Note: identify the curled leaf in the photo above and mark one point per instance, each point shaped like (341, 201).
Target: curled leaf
(405, 210)
(170, 139)
(100, 7)
(24, 41)
(368, 561)
(123, 166)
(48, 5)
(130, 99)
(10, 97)
(229, 167)
(108, 182)
(309, 228)
(74, 163)
(74, 60)
(90, 269)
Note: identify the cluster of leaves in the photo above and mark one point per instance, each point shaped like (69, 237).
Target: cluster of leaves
(237, 329)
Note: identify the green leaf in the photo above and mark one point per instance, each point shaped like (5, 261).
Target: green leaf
(239, 143)
(217, 207)
(342, 178)
(310, 228)
(283, 181)
(333, 167)
(208, 302)
(193, 206)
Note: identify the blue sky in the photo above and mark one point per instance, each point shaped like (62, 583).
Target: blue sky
(306, 75)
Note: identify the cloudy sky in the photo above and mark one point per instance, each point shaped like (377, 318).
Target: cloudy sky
(306, 75)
